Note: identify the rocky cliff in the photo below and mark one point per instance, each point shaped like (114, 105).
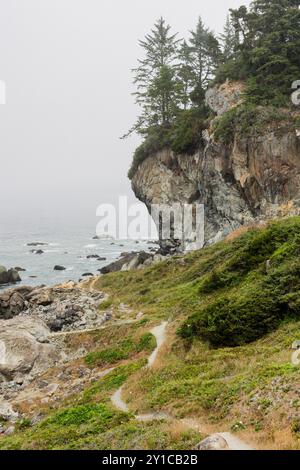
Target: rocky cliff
(254, 178)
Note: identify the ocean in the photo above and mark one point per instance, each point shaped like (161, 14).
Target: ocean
(65, 245)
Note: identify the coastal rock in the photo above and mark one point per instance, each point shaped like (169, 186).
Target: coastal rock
(64, 317)
(11, 304)
(10, 276)
(37, 244)
(252, 180)
(96, 257)
(59, 268)
(41, 297)
(37, 252)
(127, 262)
(24, 348)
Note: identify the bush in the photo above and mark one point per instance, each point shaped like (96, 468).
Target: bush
(186, 135)
(248, 300)
(157, 139)
(247, 120)
(183, 136)
(121, 351)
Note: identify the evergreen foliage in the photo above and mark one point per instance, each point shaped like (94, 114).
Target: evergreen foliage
(260, 45)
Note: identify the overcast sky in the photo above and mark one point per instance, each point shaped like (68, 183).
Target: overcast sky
(66, 64)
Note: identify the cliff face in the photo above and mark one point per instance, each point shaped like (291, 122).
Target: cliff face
(256, 178)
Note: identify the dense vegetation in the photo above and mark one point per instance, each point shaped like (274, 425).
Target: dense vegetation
(259, 46)
(231, 293)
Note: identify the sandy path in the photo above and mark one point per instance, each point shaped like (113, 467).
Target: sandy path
(234, 443)
(160, 335)
(159, 332)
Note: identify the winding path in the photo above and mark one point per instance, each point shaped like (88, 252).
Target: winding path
(159, 332)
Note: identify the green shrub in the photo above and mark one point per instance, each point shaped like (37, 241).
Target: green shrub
(247, 120)
(249, 300)
(78, 415)
(183, 136)
(186, 134)
(157, 139)
(123, 350)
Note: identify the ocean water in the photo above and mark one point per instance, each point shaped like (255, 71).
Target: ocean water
(67, 246)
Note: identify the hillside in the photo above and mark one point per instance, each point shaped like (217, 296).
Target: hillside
(232, 314)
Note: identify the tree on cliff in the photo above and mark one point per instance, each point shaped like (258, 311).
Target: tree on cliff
(268, 56)
(229, 40)
(185, 73)
(205, 56)
(155, 77)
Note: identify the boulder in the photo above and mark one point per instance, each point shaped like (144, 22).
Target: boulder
(24, 348)
(10, 276)
(59, 268)
(63, 318)
(214, 442)
(42, 297)
(37, 252)
(127, 262)
(11, 304)
(7, 413)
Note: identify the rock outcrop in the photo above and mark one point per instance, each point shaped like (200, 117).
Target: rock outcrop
(222, 98)
(254, 179)
(131, 261)
(10, 276)
(24, 348)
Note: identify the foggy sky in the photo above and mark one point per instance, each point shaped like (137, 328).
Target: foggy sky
(67, 67)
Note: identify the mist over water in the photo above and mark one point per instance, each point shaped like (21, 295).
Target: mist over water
(67, 244)
(67, 69)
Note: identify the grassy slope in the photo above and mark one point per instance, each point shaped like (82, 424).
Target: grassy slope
(242, 292)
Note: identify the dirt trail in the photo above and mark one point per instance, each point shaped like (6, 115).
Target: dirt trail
(159, 332)
(234, 442)
(160, 335)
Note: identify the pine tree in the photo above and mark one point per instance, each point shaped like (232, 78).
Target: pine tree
(205, 54)
(270, 48)
(185, 73)
(155, 78)
(229, 40)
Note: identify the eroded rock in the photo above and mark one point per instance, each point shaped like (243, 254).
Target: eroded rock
(24, 348)
(10, 276)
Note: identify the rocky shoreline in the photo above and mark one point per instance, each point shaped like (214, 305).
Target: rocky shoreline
(33, 319)
(30, 318)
